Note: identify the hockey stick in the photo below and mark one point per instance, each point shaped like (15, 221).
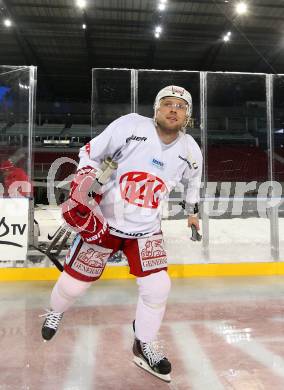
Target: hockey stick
(195, 236)
(51, 257)
(58, 235)
(63, 242)
(61, 232)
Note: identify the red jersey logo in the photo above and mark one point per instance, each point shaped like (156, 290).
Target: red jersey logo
(142, 189)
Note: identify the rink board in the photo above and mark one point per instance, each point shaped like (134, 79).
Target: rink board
(175, 271)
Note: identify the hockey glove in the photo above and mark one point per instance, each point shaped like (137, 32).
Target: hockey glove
(81, 211)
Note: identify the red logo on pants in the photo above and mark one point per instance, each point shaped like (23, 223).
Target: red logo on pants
(93, 258)
(142, 189)
(153, 248)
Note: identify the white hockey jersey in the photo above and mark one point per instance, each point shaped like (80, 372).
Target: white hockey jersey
(147, 171)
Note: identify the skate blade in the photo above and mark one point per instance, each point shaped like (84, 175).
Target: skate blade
(142, 364)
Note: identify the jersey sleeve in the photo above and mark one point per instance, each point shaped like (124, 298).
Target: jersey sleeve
(193, 174)
(108, 142)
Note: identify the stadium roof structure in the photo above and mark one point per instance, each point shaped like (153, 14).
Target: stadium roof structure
(123, 34)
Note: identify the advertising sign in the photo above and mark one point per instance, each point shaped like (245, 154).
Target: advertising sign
(13, 228)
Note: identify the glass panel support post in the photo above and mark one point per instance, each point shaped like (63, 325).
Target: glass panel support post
(272, 211)
(203, 128)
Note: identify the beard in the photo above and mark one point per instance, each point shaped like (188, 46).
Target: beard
(168, 128)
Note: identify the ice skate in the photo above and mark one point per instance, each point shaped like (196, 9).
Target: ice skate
(50, 324)
(148, 357)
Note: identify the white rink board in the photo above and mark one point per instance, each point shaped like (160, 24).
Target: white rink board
(13, 228)
(234, 240)
(231, 240)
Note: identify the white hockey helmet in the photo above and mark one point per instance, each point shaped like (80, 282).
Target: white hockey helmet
(176, 92)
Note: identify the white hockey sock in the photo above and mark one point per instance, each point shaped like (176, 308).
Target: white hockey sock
(65, 292)
(153, 294)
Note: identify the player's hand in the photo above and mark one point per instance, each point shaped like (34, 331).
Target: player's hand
(91, 224)
(81, 211)
(193, 223)
(192, 220)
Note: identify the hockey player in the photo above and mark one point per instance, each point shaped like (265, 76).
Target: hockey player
(152, 157)
(15, 180)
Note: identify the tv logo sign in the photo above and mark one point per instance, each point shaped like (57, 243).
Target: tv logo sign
(13, 228)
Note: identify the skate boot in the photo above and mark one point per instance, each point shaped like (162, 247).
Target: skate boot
(50, 324)
(150, 358)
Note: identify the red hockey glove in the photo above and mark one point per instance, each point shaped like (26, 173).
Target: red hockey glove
(81, 211)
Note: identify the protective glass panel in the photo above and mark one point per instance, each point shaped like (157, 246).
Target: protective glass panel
(14, 130)
(180, 248)
(61, 130)
(237, 152)
(59, 144)
(111, 97)
(278, 155)
(17, 91)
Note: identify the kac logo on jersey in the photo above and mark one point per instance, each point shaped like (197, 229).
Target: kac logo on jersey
(142, 189)
(158, 164)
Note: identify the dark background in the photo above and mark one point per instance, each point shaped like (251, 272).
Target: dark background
(49, 35)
